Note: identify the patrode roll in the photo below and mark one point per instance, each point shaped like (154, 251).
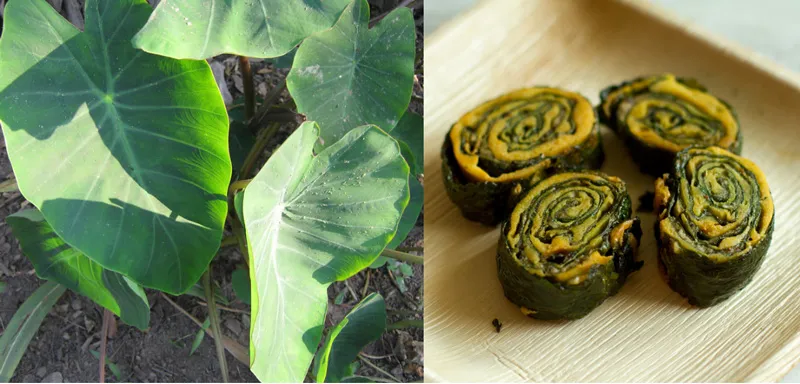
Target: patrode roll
(568, 244)
(500, 148)
(658, 116)
(715, 223)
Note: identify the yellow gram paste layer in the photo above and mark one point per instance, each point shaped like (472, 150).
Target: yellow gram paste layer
(713, 227)
(703, 102)
(472, 131)
(559, 244)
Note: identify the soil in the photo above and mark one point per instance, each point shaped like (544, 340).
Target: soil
(60, 350)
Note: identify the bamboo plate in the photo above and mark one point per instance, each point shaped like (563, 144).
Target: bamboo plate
(646, 332)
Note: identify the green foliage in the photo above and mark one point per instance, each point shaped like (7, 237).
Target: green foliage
(55, 260)
(128, 161)
(351, 75)
(240, 279)
(199, 336)
(409, 131)
(312, 220)
(410, 214)
(365, 323)
(111, 366)
(401, 271)
(191, 29)
(198, 291)
(124, 155)
(23, 326)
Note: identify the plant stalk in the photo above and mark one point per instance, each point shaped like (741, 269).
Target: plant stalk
(214, 316)
(402, 256)
(271, 98)
(227, 241)
(249, 91)
(237, 185)
(237, 350)
(258, 147)
(107, 316)
(412, 323)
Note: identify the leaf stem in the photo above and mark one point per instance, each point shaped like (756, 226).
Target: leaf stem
(258, 147)
(107, 316)
(227, 241)
(402, 256)
(269, 100)
(410, 249)
(237, 185)
(214, 316)
(235, 349)
(249, 93)
(412, 323)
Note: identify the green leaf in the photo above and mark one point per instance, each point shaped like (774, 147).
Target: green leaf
(238, 202)
(198, 338)
(409, 131)
(240, 279)
(284, 61)
(312, 220)
(352, 75)
(410, 214)
(241, 142)
(339, 299)
(55, 260)
(241, 138)
(111, 366)
(365, 323)
(23, 326)
(124, 153)
(324, 353)
(191, 29)
(379, 262)
(199, 292)
(2, 287)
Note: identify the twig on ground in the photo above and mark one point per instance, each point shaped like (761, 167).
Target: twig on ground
(379, 369)
(214, 316)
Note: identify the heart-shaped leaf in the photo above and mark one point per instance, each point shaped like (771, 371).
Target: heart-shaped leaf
(55, 260)
(125, 153)
(365, 323)
(192, 29)
(312, 220)
(352, 75)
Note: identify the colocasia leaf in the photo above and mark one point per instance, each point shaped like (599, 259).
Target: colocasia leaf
(351, 75)
(55, 260)
(312, 220)
(192, 29)
(125, 153)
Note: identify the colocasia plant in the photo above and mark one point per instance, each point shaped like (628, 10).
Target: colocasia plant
(119, 137)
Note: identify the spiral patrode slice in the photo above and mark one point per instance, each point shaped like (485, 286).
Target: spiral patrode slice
(657, 116)
(500, 148)
(715, 223)
(569, 244)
